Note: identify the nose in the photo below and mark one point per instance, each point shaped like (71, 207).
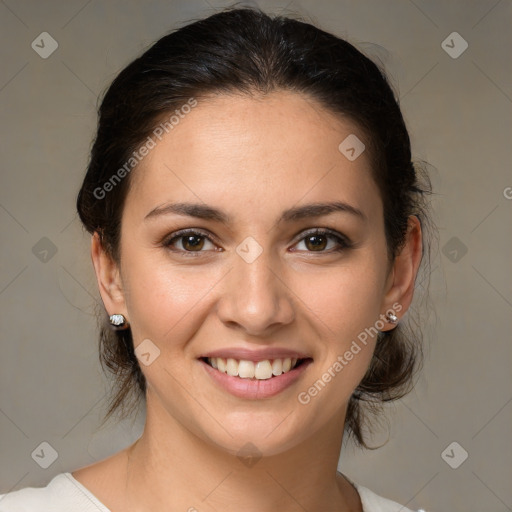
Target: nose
(255, 296)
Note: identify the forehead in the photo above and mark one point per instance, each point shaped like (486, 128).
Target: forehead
(258, 150)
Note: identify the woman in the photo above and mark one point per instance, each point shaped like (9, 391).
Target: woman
(256, 228)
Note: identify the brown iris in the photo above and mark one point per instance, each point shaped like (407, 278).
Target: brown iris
(193, 242)
(316, 246)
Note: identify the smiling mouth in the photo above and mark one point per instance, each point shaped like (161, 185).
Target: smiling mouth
(254, 370)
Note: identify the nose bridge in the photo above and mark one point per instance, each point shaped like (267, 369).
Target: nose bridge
(257, 278)
(256, 297)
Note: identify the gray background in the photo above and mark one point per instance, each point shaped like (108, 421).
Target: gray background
(459, 114)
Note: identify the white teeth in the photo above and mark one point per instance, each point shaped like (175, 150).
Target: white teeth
(277, 366)
(221, 363)
(261, 370)
(246, 369)
(232, 367)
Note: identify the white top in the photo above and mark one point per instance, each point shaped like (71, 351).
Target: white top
(66, 494)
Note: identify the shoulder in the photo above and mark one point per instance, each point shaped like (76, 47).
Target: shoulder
(371, 502)
(62, 494)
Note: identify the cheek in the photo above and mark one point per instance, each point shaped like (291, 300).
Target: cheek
(165, 301)
(346, 299)
(346, 305)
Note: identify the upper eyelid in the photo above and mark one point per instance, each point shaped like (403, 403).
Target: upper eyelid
(190, 231)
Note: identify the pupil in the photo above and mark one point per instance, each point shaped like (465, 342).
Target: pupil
(320, 245)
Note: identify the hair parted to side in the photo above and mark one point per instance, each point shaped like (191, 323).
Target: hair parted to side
(245, 51)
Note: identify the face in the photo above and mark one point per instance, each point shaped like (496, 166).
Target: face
(260, 280)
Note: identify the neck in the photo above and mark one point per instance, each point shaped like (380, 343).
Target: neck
(170, 464)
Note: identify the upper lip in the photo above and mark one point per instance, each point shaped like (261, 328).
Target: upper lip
(256, 355)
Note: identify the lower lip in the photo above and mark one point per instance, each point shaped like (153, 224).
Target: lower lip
(254, 389)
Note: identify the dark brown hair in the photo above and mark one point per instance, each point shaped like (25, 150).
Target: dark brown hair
(246, 51)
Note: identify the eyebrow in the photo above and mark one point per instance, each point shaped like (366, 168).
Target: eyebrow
(203, 211)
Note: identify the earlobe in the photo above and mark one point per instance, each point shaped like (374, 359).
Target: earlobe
(405, 269)
(108, 278)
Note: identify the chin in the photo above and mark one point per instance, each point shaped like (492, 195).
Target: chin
(260, 434)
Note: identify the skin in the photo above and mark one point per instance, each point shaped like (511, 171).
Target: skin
(252, 157)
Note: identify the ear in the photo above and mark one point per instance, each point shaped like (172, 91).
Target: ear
(400, 284)
(108, 277)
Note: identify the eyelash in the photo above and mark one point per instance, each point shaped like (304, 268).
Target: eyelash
(343, 242)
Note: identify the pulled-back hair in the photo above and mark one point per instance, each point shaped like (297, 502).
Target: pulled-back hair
(245, 51)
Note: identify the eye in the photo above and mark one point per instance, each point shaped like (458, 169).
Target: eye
(190, 241)
(317, 240)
